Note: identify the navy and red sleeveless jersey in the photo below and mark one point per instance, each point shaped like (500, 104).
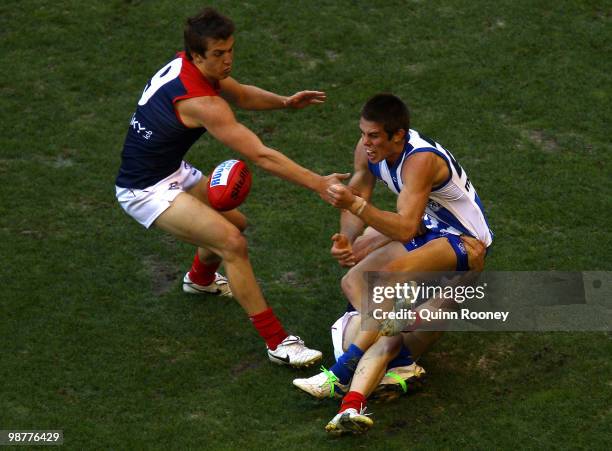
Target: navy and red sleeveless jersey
(157, 140)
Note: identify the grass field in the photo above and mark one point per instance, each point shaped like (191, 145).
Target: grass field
(98, 339)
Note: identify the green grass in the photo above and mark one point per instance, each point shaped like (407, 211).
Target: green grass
(97, 338)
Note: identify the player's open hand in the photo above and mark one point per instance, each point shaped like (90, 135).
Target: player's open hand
(305, 98)
(476, 251)
(342, 250)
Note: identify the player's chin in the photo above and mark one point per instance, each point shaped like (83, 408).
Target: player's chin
(372, 157)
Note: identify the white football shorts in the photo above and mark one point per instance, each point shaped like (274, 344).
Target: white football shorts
(337, 332)
(145, 205)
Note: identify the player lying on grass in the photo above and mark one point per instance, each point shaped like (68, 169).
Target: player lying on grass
(388, 368)
(401, 371)
(436, 204)
(184, 99)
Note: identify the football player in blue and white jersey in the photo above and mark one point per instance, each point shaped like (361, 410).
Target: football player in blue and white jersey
(439, 219)
(187, 97)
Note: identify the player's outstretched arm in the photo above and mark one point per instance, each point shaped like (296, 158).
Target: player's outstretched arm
(253, 98)
(217, 117)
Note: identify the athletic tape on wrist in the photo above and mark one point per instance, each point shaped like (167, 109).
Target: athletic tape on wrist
(361, 207)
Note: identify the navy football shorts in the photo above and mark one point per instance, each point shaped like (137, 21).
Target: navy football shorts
(454, 240)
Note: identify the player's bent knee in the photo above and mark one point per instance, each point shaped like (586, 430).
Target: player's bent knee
(234, 246)
(348, 285)
(345, 283)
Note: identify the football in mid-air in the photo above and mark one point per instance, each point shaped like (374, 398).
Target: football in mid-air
(228, 185)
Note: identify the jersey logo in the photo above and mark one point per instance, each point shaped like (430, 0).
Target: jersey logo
(139, 128)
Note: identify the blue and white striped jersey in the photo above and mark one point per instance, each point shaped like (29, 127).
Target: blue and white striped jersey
(453, 206)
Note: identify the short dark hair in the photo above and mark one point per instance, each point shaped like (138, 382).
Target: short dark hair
(388, 110)
(207, 24)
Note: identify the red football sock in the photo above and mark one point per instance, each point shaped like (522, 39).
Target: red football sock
(354, 400)
(269, 327)
(202, 273)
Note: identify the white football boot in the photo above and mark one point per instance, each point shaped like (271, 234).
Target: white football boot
(351, 421)
(219, 286)
(399, 381)
(293, 352)
(322, 385)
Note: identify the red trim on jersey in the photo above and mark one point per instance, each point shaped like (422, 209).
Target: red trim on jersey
(194, 82)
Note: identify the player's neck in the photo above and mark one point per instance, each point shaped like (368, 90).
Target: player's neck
(395, 153)
(209, 77)
(212, 80)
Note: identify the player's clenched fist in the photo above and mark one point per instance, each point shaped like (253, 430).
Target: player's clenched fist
(340, 196)
(342, 250)
(329, 181)
(476, 251)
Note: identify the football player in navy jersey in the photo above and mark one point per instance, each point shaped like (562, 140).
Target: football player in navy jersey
(187, 97)
(439, 225)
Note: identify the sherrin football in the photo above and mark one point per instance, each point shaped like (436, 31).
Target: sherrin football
(228, 185)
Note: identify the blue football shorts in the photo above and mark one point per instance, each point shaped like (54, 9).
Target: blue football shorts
(454, 241)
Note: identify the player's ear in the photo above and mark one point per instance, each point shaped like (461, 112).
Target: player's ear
(399, 135)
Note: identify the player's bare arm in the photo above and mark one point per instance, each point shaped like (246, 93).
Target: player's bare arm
(352, 226)
(251, 97)
(362, 182)
(420, 173)
(371, 240)
(216, 116)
